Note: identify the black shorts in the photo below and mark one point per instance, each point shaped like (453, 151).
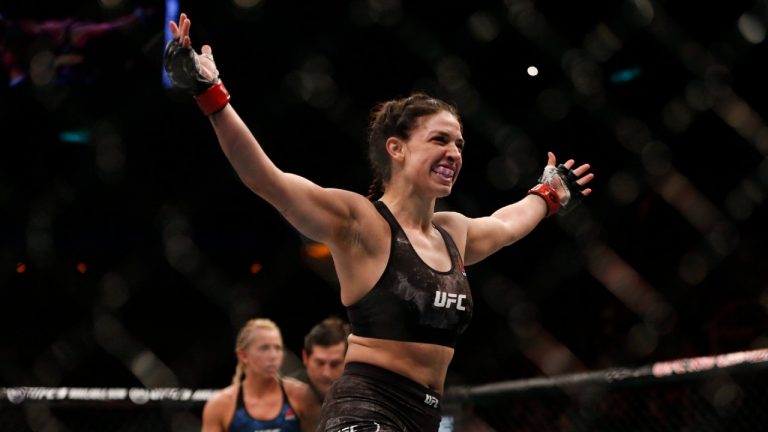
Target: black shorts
(368, 398)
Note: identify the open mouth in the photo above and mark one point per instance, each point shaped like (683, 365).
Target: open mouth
(444, 172)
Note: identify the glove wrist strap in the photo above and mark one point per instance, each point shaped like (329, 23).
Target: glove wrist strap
(549, 196)
(214, 99)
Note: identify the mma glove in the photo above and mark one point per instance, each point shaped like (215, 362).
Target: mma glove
(184, 69)
(559, 188)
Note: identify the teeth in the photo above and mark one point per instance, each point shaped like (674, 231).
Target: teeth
(443, 171)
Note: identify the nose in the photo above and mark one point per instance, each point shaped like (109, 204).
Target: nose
(453, 152)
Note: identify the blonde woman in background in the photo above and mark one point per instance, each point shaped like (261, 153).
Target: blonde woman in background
(259, 398)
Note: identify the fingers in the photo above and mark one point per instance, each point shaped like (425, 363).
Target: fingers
(182, 19)
(176, 28)
(181, 30)
(551, 159)
(581, 170)
(586, 179)
(210, 65)
(185, 23)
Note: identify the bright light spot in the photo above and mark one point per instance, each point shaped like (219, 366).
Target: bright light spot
(255, 268)
(82, 267)
(751, 28)
(79, 136)
(533, 71)
(625, 75)
(317, 250)
(645, 12)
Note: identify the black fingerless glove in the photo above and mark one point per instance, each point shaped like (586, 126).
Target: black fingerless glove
(183, 68)
(563, 180)
(568, 177)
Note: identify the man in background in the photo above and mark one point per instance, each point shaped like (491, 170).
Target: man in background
(325, 347)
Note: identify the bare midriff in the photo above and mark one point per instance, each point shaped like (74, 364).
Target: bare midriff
(426, 364)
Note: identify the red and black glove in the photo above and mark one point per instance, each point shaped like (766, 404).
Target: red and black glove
(184, 69)
(559, 188)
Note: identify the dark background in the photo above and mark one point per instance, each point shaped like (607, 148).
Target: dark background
(127, 257)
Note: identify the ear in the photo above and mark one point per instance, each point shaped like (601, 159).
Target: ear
(396, 148)
(304, 356)
(241, 356)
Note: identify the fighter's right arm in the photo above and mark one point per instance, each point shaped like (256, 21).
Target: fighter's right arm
(322, 214)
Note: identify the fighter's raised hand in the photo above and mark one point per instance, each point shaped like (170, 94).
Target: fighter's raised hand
(566, 182)
(193, 72)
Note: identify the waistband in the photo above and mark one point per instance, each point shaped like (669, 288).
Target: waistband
(391, 378)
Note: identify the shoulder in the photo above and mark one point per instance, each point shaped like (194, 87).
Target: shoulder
(355, 203)
(303, 401)
(298, 392)
(293, 385)
(455, 223)
(222, 400)
(219, 409)
(450, 218)
(362, 208)
(365, 228)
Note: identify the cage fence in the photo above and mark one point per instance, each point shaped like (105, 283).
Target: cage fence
(63, 409)
(727, 392)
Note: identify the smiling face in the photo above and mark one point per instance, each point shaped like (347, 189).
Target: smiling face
(263, 356)
(431, 157)
(395, 122)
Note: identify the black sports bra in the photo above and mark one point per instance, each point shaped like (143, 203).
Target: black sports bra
(411, 301)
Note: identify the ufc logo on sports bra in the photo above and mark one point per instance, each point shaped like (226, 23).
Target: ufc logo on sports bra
(447, 300)
(431, 401)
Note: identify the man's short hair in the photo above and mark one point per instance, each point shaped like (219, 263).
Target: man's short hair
(328, 332)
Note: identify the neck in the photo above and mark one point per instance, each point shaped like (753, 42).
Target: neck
(260, 385)
(411, 211)
(320, 397)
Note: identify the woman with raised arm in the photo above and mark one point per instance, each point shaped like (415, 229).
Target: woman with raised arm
(400, 264)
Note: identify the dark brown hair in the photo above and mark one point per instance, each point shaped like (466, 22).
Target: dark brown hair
(396, 118)
(328, 332)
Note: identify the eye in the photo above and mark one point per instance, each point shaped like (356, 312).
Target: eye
(460, 146)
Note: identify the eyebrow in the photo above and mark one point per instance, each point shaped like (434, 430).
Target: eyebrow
(268, 344)
(447, 136)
